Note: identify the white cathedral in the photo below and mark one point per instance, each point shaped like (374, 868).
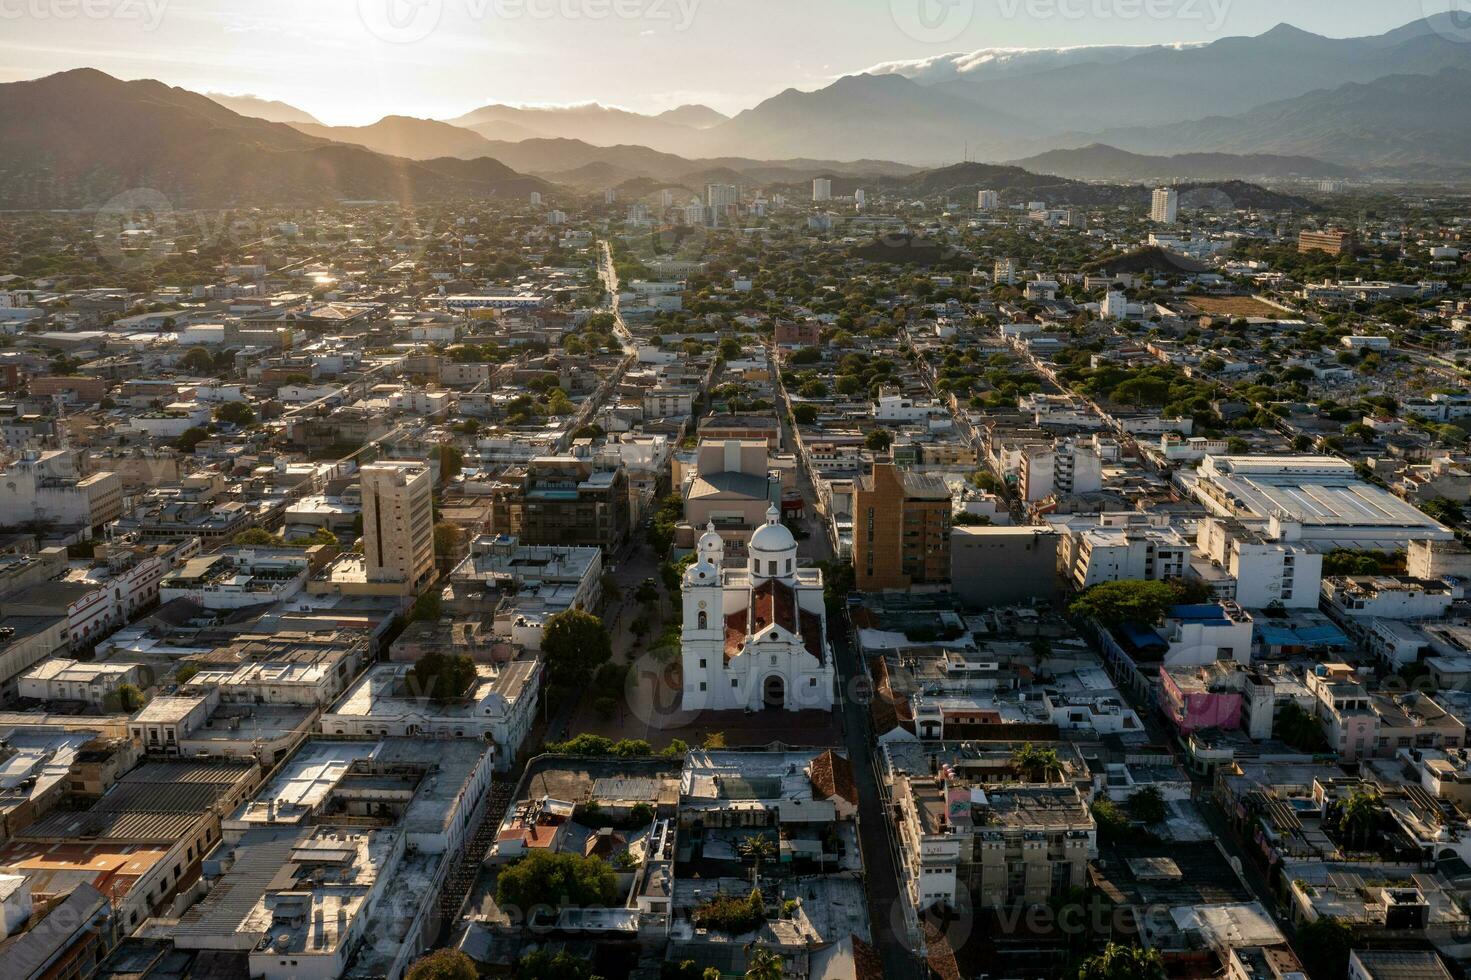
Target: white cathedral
(755, 637)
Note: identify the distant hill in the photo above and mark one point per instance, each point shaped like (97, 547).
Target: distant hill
(886, 116)
(1409, 121)
(90, 137)
(257, 108)
(693, 116)
(1018, 186)
(1152, 259)
(594, 124)
(1227, 77)
(404, 136)
(1102, 162)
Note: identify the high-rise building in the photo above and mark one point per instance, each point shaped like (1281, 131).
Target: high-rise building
(901, 529)
(860, 198)
(398, 523)
(988, 200)
(822, 189)
(1165, 207)
(536, 199)
(722, 195)
(1005, 272)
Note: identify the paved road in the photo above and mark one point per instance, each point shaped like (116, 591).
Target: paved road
(880, 868)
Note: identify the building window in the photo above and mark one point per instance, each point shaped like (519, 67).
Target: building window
(704, 623)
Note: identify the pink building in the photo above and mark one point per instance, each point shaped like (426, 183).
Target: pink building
(1196, 698)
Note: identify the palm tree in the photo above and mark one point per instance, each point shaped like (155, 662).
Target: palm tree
(1036, 764)
(1118, 962)
(763, 964)
(756, 849)
(1359, 816)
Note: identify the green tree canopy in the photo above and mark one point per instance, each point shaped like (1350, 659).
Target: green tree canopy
(576, 644)
(1131, 600)
(441, 676)
(1122, 962)
(443, 964)
(555, 880)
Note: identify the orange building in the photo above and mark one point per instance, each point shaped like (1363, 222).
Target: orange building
(901, 530)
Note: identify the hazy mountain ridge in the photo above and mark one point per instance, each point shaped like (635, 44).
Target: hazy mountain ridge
(1099, 161)
(90, 137)
(267, 109)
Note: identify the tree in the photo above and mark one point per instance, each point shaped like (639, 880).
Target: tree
(1137, 601)
(1445, 511)
(576, 644)
(451, 460)
(236, 413)
(715, 740)
(879, 440)
(127, 699)
(1323, 946)
(763, 964)
(1123, 962)
(542, 965)
(448, 536)
(756, 849)
(441, 676)
(1037, 765)
(443, 964)
(804, 414)
(1147, 805)
(197, 361)
(1299, 729)
(1237, 446)
(190, 438)
(1359, 816)
(566, 878)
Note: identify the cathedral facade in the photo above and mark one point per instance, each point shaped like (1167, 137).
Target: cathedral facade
(755, 637)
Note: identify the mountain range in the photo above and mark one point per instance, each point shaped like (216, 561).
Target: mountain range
(90, 137)
(1389, 102)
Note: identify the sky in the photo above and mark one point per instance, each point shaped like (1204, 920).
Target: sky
(350, 62)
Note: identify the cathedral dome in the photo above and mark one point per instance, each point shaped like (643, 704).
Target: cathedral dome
(772, 537)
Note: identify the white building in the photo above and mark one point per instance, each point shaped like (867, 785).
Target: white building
(822, 189)
(1266, 570)
(499, 707)
(1164, 207)
(60, 679)
(755, 637)
(50, 487)
(987, 200)
(1067, 468)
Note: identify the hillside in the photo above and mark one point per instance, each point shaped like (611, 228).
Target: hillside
(1099, 161)
(1399, 121)
(90, 137)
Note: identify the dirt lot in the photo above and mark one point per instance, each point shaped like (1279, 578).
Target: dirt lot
(1234, 306)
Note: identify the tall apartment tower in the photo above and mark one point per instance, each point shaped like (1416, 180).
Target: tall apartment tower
(398, 523)
(822, 189)
(987, 200)
(1165, 208)
(901, 530)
